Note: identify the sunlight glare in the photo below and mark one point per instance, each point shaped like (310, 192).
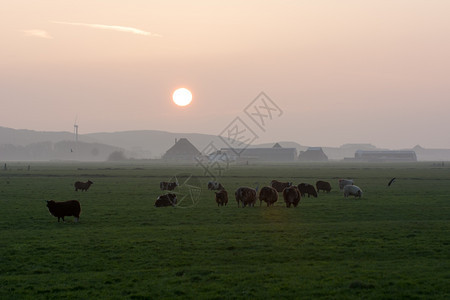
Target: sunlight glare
(182, 97)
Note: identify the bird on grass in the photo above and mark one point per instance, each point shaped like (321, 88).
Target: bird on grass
(391, 181)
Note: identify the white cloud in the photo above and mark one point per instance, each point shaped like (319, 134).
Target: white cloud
(37, 33)
(112, 27)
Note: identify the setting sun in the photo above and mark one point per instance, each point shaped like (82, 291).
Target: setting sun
(182, 97)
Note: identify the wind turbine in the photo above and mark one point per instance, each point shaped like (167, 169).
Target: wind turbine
(75, 129)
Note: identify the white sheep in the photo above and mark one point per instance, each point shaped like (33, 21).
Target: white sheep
(344, 182)
(352, 190)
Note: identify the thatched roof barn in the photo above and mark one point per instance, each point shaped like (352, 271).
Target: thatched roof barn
(277, 145)
(183, 150)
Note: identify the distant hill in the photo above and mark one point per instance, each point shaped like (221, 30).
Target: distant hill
(22, 144)
(62, 150)
(23, 137)
(30, 145)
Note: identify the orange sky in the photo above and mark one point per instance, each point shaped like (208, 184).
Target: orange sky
(341, 71)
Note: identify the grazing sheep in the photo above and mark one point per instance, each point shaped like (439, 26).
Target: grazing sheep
(166, 200)
(245, 195)
(306, 188)
(65, 208)
(269, 195)
(291, 195)
(280, 186)
(352, 190)
(167, 186)
(221, 198)
(323, 185)
(83, 186)
(214, 185)
(344, 182)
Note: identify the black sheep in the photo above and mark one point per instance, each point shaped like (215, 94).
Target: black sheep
(166, 200)
(66, 208)
(306, 188)
(83, 186)
(323, 185)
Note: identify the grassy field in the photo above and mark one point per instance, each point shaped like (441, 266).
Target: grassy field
(394, 243)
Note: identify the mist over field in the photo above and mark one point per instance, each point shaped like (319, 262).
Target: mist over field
(29, 145)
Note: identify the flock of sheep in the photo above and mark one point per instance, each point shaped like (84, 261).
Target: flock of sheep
(245, 196)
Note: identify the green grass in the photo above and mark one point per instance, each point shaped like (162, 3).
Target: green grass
(394, 243)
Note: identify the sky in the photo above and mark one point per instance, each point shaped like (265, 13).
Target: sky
(334, 72)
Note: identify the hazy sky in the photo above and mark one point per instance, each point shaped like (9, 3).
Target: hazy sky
(341, 71)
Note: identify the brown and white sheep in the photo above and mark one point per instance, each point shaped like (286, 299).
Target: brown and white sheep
(246, 196)
(221, 197)
(279, 186)
(269, 195)
(214, 185)
(291, 196)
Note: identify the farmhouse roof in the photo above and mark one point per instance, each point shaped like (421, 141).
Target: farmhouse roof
(313, 154)
(182, 149)
(277, 145)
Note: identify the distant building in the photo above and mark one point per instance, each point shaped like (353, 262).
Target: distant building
(277, 145)
(313, 154)
(274, 154)
(386, 156)
(183, 151)
(432, 154)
